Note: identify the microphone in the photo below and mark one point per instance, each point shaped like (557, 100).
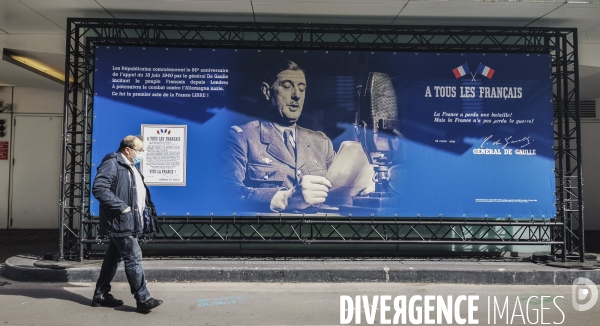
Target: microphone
(378, 129)
(377, 119)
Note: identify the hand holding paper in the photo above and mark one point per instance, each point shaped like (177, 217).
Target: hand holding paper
(350, 174)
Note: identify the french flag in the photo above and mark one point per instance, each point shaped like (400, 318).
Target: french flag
(485, 70)
(461, 70)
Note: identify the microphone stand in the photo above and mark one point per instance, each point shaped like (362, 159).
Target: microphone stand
(382, 197)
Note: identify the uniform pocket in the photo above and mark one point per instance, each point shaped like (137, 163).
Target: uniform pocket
(313, 167)
(263, 176)
(319, 172)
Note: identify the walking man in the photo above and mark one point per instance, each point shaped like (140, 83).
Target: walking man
(126, 212)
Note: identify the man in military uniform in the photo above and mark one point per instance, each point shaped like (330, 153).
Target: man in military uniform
(277, 165)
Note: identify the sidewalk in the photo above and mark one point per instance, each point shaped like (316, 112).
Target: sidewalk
(224, 303)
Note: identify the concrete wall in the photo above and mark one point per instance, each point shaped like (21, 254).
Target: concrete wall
(29, 101)
(590, 146)
(6, 96)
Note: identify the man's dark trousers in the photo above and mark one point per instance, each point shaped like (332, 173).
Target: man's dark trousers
(128, 249)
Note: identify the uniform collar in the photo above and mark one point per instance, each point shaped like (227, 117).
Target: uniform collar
(281, 129)
(273, 138)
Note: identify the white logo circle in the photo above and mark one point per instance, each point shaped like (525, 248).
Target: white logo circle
(581, 293)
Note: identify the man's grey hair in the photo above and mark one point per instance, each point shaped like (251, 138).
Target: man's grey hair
(282, 66)
(128, 141)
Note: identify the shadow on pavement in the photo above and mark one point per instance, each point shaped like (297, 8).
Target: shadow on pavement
(57, 292)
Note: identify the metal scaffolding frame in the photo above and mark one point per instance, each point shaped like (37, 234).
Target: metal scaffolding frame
(78, 229)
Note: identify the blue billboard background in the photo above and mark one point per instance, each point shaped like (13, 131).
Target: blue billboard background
(473, 145)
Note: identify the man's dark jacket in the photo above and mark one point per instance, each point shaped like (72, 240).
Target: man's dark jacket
(115, 189)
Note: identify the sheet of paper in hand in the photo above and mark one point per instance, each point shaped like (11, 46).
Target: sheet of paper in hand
(350, 173)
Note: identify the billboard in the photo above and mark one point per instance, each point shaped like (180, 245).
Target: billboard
(283, 132)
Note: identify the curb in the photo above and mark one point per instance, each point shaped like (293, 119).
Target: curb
(22, 269)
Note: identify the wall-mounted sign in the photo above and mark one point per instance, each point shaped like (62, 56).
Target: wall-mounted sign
(3, 150)
(164, 163)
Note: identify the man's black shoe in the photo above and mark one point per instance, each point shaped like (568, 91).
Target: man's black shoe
(108, 301)
(148, 305)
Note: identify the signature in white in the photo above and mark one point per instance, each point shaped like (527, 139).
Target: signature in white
(524, 142)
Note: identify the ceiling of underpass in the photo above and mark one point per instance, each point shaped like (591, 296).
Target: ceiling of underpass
(36, 28)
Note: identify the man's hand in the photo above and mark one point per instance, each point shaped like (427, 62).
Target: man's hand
(126, 210)
(311, 190)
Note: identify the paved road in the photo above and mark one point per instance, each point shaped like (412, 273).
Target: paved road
(278, 304)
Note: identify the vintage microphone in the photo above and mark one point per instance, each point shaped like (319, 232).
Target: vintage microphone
(378, 129)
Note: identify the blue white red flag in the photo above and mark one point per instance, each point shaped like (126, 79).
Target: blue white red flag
(461, 70)
(485, 70)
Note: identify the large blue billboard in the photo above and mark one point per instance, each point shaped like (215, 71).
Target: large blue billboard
(383, 134)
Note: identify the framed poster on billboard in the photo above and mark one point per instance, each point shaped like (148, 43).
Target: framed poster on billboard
(165, 160)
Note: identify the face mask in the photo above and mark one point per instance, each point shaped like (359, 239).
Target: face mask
(138, 158)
